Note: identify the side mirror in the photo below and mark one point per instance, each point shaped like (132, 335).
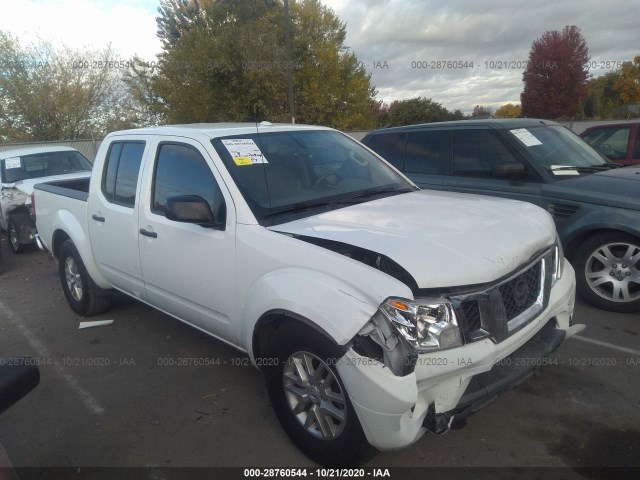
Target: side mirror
(510, 170)
(189, 209)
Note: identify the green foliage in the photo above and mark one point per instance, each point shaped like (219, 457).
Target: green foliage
(225, 60)
(44, 95)
(417, 110)
(509, 110)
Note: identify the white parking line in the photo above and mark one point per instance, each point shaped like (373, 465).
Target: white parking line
(612, 346)
(87, 399)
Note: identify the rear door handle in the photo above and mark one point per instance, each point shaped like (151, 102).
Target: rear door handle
(147, 233)
(97, 218)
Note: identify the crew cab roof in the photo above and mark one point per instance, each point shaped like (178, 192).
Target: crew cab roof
(213, 130)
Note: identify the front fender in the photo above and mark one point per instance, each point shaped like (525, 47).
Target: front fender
(600, 218)
(328, 303)
(66, 223)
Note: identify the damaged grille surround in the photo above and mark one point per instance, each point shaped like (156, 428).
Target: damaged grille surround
(499, 310)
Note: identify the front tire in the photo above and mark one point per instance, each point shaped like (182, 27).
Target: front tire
(310, 400)
(608, 271)
(83, 295)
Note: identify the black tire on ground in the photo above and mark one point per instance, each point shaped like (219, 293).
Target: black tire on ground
(608, 271)
(13, 231)
(83, 295)
(342, 443)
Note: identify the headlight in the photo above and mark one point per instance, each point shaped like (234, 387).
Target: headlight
(427, 324)
(558, 261)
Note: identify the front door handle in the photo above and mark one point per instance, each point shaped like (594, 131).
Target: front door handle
(147, 233)
(97, 218)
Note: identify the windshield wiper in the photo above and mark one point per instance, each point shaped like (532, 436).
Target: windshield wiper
(370, 192)
(296, 207)
(333, 202)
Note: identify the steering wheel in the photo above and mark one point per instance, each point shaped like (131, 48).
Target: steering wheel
(325, 176)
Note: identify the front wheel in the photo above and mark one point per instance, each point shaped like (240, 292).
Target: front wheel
(310, 400)
(83, 295)
(608, 271)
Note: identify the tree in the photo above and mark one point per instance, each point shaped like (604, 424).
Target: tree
(225, 61)
(416, 110)
(627, 85)
(556, 74)
(509, 110)
(602, 96)
(55, 94)
(480, 111)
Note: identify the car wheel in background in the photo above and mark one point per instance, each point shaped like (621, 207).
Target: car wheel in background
(608, 271)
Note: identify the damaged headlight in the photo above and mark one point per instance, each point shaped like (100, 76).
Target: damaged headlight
(558, 261)
(427, 324)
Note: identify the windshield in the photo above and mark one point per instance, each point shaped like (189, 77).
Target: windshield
(287, 173)
(45, 164)
(557, 149)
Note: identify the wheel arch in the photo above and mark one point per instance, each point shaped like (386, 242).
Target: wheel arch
(575, 240)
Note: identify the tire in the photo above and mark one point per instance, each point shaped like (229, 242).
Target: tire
(608, 271)
(83, 295)
(14, 237)
(326, 439)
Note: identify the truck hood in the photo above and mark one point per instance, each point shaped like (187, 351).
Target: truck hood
(615, 188)
(26, 186)
(443, 239)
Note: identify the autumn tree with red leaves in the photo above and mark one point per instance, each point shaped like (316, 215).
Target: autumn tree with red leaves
(555, 80)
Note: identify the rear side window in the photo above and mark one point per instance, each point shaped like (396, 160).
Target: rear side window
(120, 177)
(477, 153)
(182, 170)
(389, 146)
(426, 152)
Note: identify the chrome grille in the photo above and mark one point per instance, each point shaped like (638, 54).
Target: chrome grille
(498, 310)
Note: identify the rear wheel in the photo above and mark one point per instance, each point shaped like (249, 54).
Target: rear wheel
(310, 400)
(608, 271)
(14, 237)
(83, 295)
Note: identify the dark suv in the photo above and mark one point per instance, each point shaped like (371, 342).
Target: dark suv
(595, 203)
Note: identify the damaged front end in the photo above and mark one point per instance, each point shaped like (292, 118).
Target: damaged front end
(15, 217)
(402, 329)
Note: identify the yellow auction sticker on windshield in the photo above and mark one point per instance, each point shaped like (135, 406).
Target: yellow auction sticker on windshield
(242, 161)
(244, 151)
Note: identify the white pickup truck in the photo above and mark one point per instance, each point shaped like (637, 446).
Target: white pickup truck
(376, 311)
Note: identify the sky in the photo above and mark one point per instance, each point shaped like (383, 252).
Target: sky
(459, 53)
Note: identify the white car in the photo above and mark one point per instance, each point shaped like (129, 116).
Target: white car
(20, 170)
(376, 311)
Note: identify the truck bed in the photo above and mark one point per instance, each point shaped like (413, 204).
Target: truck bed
(77, 188)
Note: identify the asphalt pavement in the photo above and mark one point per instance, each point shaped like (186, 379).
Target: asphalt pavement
(149, 391)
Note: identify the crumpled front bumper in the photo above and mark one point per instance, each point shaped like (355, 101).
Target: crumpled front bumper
(449, 385)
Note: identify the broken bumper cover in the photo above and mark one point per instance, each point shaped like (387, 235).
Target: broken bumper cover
(27, 233)
(448, 386)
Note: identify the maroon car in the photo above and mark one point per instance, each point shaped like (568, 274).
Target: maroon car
(619, 142)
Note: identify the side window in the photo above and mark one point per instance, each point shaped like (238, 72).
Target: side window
(426, 152)
(120, 176)
(478, 153)
(611, 142)
(389, 146)
(181, 170)
(636, 147)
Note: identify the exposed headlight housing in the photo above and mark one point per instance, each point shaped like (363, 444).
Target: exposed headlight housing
(426, 324)
(558, 261)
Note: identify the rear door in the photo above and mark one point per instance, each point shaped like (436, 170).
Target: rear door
(113, 216)
(188, 269)
(485, 164)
